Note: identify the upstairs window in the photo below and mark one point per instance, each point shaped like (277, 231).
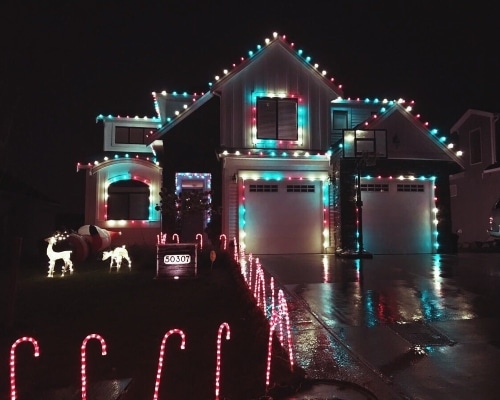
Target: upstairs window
(131, 135)
(475, 146)
(277, 118)
(128, 200)
(339, 122)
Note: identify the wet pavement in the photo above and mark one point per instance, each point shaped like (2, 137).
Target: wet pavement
(401, 327)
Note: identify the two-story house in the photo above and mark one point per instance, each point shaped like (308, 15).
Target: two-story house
(299, 162)
(475, 191)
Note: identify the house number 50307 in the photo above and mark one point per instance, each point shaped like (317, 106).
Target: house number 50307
(177, 259)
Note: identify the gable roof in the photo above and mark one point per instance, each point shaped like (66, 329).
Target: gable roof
(470, 112)
(435, 146)
(271, 45)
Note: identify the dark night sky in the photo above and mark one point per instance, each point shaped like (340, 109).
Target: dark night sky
(63, 64)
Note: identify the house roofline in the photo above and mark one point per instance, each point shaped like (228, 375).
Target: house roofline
(169, 125)
(468, 114)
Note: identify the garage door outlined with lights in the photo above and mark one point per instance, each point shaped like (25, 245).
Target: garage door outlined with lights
(283, 216)
(397, 216)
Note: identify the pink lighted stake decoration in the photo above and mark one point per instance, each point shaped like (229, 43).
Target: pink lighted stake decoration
(83, 353)
(13, 391)
(219, 340)
(175, 237)
(200, 238)
(162, 355)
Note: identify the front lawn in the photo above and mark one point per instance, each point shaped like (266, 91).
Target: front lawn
(132, 311)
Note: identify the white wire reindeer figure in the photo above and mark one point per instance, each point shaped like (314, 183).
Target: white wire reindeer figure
(65, 256)
(117, 255)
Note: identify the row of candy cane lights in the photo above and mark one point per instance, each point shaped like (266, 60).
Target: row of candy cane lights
(255, 279)
(162, 239)
(258, 287)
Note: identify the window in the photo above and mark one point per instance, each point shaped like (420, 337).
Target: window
(339, 122)
(132, 135)
(300, 188)
(128, 200)
(453, 191)
(410, 188)
(475, 146)
(277, 118)
(375, 187)
(264, 188)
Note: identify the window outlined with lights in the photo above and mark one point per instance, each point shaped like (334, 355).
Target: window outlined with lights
(128, 199)
(277, 118)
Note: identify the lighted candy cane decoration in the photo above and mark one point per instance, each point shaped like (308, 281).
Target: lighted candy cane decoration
(13, 391)
(83, 364)
(275, 320)
(272, 324)
(161, 238)
(242, 251)
(200, 237)
(175, 237)
(272, 293)
(250, 273)
(235, 249)
(162, 353)
(260, 288)
(283, 309)
(219, 340)
(224, 241)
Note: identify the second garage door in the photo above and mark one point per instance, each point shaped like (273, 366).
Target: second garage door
(397, 216)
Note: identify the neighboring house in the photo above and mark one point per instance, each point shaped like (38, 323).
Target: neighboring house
(475, 192)
(289, 153)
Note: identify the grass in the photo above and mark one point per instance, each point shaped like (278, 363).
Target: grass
(132, 311)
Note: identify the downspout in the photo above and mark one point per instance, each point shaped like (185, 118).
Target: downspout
(493, 122)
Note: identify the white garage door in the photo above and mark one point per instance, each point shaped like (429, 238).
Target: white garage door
(283, 217)
(397, 216)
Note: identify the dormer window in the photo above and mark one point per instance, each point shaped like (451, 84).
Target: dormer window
(277, 118)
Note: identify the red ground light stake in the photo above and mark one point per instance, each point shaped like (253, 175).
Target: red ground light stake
(83, 353)
(219, 340)
(162, 354)
(13, 392)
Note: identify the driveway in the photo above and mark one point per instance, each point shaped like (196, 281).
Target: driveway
(403, 326)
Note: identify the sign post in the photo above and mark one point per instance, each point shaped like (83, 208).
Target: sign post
(177, 260)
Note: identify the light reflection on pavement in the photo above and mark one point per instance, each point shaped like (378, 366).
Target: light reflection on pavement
(345, 316)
